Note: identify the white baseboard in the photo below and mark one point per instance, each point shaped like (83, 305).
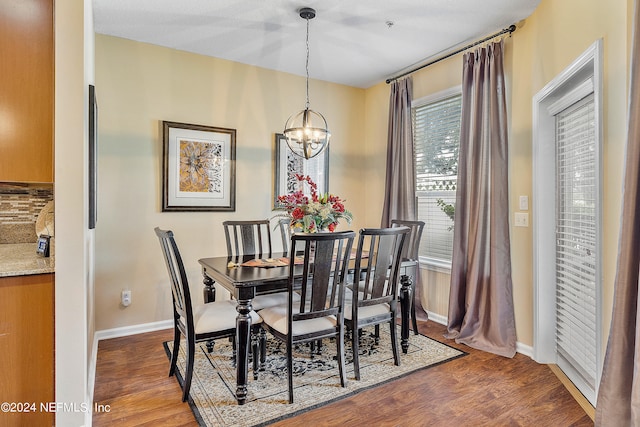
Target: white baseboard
(132, 330)
(438, 318)
(527, 350)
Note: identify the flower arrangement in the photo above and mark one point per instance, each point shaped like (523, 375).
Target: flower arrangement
(321, 212)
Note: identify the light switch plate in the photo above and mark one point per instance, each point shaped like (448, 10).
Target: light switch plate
(524, 203)
(521, 219)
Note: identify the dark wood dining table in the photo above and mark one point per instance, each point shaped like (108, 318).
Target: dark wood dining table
(244, 283)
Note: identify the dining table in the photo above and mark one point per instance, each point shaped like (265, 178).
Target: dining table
(247, 276)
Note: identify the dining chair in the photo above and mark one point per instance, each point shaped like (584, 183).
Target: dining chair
(203, 323)
(410, 253)
(252, 238)
(320, 282)
(374, 293)
(284, 225)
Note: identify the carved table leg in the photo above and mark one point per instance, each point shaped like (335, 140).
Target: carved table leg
(255, 351)
(209, 289)
(243, 340)
(405, 308)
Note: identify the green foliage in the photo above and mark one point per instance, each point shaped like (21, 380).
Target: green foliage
(448, 208)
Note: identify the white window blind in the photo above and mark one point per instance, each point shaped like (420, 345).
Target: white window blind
(436, 133)
(576, 238)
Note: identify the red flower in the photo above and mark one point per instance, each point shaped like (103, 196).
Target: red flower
(339, 207)
(332, 227)
(297, 214)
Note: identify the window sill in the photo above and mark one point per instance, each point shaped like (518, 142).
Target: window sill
(437, 265)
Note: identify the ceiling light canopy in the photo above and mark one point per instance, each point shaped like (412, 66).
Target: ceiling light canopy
(306, 132)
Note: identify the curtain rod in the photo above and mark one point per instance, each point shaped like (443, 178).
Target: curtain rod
(509, 30)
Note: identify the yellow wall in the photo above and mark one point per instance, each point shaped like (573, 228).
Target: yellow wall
(547, 42)
(139, 85)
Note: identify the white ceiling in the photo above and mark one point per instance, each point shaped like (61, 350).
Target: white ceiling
(350, 40)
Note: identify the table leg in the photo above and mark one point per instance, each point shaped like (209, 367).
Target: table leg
(209, 289)
(405, 308)
(243, 340)
(414, 274)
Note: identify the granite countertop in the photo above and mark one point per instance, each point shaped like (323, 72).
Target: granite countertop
(20, 259)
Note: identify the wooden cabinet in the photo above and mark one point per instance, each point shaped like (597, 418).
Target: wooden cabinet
(26, 90)
(27, 347)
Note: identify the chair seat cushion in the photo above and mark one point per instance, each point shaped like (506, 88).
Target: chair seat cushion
(367, 311)
(218, 316)
(268, 300)
(276, 318)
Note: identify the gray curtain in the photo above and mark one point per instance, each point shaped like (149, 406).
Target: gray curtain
(480, 300)
(619, 392)
(400, 182)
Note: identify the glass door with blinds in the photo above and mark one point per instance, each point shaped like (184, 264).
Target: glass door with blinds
(576, 244)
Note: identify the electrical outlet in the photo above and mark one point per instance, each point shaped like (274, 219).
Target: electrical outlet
(125, 298)
(521, 219)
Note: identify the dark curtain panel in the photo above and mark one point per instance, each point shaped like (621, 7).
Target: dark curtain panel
(619, 392)
(400, 182)
(480, 300)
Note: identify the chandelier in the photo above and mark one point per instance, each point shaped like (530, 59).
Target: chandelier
(306, 132)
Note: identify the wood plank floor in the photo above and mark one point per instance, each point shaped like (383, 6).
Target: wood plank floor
(480, 389)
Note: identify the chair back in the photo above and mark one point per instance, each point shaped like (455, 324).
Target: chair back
(325, 262)
(247, 237)
(377, 265)
(182, 309)
(284, 224)
(412, 245)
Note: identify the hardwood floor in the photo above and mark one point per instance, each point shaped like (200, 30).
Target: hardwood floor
(480, 389)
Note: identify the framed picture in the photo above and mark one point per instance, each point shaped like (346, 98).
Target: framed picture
(199, 168)
(288, 165)
(93, 158)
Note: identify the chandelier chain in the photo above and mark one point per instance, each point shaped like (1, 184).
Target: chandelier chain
(307, 65)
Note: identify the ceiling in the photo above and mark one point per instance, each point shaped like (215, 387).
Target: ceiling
(353, 42)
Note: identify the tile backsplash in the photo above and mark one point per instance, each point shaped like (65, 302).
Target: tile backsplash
(20, 205)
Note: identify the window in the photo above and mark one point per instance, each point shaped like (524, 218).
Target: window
(436, 134)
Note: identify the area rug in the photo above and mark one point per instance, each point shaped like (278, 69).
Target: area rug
(316, 379)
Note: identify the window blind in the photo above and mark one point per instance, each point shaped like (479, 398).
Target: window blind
(576, 238)
(436, 132)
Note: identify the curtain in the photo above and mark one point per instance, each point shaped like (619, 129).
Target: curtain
(619, 392)
(400, 182)
(480, 300)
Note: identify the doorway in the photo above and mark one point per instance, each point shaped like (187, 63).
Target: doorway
(567, 222)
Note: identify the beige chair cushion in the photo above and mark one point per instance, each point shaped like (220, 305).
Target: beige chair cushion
(269, 300)
(218, 316)
(368, 311)
(276, 317)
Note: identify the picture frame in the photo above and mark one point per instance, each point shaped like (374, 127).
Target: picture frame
(199, 168)
(287, 165)
(93, 158)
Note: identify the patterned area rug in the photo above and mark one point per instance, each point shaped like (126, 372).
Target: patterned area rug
(316, 379)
